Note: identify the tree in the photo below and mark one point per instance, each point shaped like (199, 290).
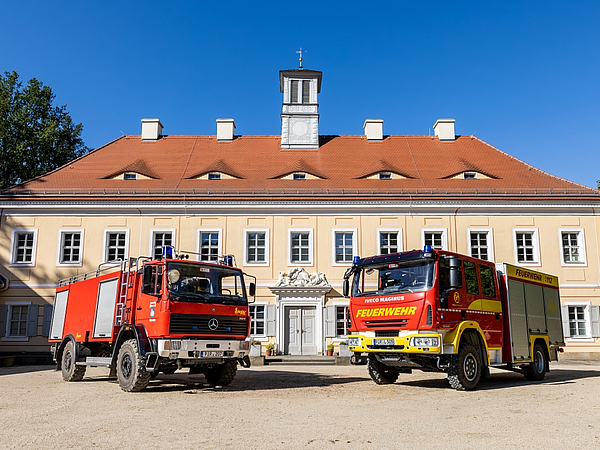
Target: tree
(35, 137)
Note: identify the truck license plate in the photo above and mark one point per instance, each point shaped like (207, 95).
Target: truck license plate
(211, 354)
(384, 342)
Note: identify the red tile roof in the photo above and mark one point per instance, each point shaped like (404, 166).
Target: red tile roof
(258, 163)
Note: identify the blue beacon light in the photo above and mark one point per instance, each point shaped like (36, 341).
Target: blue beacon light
(355, 260)
(427, 249)
(167, 252)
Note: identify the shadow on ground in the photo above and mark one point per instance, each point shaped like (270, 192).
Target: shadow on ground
(12, 370)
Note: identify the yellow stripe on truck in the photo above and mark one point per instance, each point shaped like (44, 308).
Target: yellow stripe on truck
(388, 312)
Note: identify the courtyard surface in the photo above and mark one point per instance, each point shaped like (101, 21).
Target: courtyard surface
(289, 407)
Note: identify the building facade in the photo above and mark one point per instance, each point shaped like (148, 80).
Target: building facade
(294, 210)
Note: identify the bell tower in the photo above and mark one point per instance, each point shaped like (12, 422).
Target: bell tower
(300, 109)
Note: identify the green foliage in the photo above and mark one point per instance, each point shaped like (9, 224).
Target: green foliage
(35, 137)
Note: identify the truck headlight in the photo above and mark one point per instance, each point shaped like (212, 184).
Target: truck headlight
(354, 342)
(424, 342)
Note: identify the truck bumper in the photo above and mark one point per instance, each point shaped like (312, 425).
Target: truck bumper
(429, 343)
(200, 349)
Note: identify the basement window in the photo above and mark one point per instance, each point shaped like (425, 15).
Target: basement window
(469, 175)
(385, 175)
(130, 176)
(214, 175)
(299, 176)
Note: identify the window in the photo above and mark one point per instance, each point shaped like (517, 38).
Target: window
(130, 176)
(577, 321)
(300, 246)
(17, 326)
(435, 237)
(385, 175)
(487, 281)
(256, 250)
(300, 91)
(299, 176)
(210, 245)
(389, 242)
(115, 245)
(70, 246)
(572, 247)
(161, 239)
(469, 175)
(526, 247)
(471, 278)
(23, 247)
(581, 321)
(257, 320)
(214, 175)
(341, 323)
(480, 244)
(344, 246)
(305, 91)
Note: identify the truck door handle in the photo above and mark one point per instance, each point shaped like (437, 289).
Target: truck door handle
(138, 308)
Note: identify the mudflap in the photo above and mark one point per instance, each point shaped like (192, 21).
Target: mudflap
(245, 362)
(152, 360)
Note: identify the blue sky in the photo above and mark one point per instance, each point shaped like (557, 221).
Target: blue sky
(522, 76)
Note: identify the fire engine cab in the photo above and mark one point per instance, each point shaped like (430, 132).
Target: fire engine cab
(142, 316)
(440, 311)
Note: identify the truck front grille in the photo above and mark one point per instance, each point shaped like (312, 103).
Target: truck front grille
(386, 323)
(191, 324)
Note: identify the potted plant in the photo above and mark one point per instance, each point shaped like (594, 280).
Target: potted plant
(329, 349)
(255, 348)
(269, 348)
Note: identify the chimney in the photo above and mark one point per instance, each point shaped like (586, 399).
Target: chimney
(374, 129)
(151, 129)
(225, 129)
(444, 129)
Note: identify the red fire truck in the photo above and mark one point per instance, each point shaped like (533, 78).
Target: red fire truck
(141, 316)
(439, 311)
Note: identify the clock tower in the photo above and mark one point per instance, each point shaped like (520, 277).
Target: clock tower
(300, 113)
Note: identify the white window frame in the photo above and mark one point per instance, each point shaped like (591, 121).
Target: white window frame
(581, 244)
(256, 263)
(5, 333)
(336, 305)
(490, 240)
(13, 243)
(354, 232)
(199, 232)
(444, 232)
(153, 232)
(260, 337)
(131, 175)
(108, 231)
(300, 93)
(536, 247)
(60, 243)
(588, 321)
(310, 246)
(389, 230)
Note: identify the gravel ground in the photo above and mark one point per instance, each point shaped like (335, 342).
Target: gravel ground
(289, 407)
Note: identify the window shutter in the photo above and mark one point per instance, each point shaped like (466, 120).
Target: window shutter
(330, 321)
(3, 313)
(32, 320)
(565, 321)
(270, 315)
(47, 320)
(595, 319)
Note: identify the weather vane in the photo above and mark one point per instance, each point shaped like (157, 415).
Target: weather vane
(300, 53)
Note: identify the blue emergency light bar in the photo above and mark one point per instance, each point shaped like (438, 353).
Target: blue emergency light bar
(355, 260)
(167, 252)
(228, 260)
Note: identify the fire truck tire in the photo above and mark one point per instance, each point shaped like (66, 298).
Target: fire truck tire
(221, 374)
(464, 370)
(380, 373)
(536, 370)
(70, 370)
(131, 368)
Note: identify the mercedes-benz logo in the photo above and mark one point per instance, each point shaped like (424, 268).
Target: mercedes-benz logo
(213, 324)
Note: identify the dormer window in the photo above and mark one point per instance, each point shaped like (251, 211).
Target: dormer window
(469, 175)
(214, 175)
(130, 176)
(300, 91)
(299, 176)
(385, 175)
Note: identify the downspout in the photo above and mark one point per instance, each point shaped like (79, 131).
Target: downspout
(4, 280)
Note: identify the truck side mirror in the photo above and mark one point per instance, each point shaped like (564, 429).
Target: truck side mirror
(252, 289)
(346, 287)
(455, 274)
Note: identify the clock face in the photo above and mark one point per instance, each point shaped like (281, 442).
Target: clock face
(300, 128)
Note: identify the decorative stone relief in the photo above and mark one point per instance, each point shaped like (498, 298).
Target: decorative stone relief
(300, 277)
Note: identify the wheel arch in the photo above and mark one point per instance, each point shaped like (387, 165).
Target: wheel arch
(60, 348)
(137, 332)
(543, 341)
(469, 331)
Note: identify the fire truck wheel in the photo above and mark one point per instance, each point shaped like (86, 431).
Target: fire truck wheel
(221, 374)
(464, 370)
(380, 373)
(131, 368)
(70, 370)
(536, 370)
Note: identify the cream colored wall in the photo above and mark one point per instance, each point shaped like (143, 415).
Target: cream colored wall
(36, 283)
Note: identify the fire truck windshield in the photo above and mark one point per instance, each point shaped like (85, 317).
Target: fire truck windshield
(205, 284)
(390, 278)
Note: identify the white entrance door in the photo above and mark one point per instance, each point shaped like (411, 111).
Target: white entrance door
(300, 326)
